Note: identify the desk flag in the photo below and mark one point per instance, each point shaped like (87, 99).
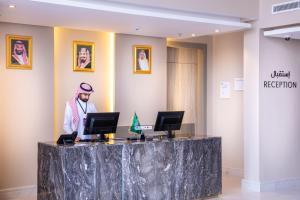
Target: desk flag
(135, 126)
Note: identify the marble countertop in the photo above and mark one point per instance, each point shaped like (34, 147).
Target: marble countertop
(124, 141)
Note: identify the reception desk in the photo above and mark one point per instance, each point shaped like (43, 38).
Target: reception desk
(180, 168)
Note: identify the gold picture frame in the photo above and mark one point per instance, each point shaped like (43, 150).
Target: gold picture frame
(18, 52)
(142, 59)
(83, 56)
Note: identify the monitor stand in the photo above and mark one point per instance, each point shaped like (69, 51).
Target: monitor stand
(170, 134)
(102, 138)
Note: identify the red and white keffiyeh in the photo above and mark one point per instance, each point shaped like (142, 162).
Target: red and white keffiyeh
(83, 88)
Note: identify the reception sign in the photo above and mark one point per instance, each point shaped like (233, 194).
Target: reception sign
(280, 79)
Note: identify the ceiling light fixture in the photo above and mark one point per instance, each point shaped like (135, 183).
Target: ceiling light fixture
(193, 35)
(12, 6)
(217, 31)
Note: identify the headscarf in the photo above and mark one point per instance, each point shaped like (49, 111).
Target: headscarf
(24, 54)
(143, 63)
(83, 88)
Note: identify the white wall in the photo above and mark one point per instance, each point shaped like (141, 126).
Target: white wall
(227, 114)
(145, 94)
(279, 111)
(67, 81)
(251, 105)
(26, 107)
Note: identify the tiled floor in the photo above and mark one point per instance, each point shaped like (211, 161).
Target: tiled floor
(232, 191)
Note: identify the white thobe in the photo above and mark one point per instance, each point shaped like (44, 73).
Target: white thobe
(68, 127)
(143, 63)
(20, 59)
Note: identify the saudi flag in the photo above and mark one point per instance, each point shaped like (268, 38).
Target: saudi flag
(135, 126)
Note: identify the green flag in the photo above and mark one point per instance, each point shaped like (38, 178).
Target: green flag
(135, 126)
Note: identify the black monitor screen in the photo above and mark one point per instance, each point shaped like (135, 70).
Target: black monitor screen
(168, 121)
(101, 123)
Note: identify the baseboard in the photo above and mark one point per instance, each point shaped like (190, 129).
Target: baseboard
(270, 186)
(229, 171)
(251, 185)
(18, 192)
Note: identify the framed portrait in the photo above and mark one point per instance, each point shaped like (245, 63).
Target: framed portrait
(141, 59)
(18, 52)
(83, 56)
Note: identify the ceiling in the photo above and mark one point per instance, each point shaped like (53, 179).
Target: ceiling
(234, 8)
(287, 33)
(164, 18)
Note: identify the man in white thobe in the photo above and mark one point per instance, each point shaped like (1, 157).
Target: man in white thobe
(77, 109)
(143, 61)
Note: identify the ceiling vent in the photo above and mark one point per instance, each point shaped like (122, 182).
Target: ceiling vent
(285, 7)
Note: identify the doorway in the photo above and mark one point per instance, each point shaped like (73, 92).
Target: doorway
(186, 84)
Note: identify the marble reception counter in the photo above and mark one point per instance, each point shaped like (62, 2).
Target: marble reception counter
(181, 168)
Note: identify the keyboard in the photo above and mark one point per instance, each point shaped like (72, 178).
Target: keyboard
(92, 140)
(87, 140)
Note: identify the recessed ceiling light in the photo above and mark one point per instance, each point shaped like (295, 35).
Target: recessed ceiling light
(193, 35)
(217, 30)
(12, 6)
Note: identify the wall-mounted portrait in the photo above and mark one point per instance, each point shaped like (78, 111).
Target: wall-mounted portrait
(83, 56)
(141, 59)
(18, 52)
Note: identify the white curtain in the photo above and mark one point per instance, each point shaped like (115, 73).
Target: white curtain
(185, 85)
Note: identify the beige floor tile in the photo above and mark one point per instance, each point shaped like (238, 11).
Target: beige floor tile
(232, 191)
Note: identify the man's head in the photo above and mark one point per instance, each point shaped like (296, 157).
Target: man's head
(84, 92)
(83, 54)
(142, 55)
(19, 47)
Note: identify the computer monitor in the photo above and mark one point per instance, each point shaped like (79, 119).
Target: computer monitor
(101, 123)
(169, 121)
